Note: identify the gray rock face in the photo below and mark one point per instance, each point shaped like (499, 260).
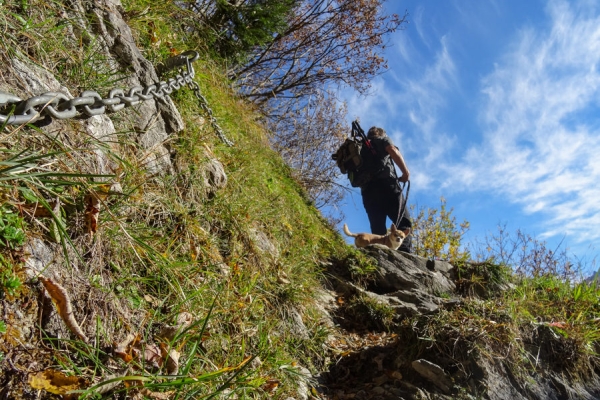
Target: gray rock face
(403, 271)
(214, 176)
(150, 125)
(154, 120)
(409, 284)
(433, 373)
(543, 386)
(415, 287)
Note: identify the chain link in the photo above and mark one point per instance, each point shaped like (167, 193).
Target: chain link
(211, 118)
(90, 103)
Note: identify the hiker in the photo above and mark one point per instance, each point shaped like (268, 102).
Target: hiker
(382, 196)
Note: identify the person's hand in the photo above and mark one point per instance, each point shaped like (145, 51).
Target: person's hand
(403, 178)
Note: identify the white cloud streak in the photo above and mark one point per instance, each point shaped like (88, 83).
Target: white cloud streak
(541, 124)
(539, 118)
(415, 104)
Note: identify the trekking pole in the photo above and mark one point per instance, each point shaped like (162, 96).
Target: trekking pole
(403, 207)
(358, 131)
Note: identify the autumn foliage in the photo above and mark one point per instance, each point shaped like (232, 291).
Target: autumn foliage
(306, 138)
(327, 42)
(437, 235)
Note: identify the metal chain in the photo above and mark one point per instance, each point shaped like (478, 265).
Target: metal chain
(90, 103)
(204, 105)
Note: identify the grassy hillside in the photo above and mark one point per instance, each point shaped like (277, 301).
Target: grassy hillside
(230, 271)
(180, 290)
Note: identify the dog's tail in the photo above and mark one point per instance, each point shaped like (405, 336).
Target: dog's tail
(347, 231)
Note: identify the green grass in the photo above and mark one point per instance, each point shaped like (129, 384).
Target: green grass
(12, 234)
(541, 325)
(12, 238)
(243, 260)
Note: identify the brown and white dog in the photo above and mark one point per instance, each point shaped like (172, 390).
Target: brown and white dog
(393, 239)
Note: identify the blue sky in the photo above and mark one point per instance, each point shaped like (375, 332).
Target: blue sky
(495, 105)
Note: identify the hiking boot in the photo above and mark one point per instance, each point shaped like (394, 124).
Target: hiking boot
(406, 245)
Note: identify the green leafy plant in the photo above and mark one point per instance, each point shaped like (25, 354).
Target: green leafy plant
(12, 234)
(372, 313)
(12, 238)
(437, 235)
(9, 281)
(235, 29)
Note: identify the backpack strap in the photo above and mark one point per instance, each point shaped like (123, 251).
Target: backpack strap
(358, 132)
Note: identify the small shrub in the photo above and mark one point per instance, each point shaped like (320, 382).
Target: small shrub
(526, 255)
(359, 264)
(436, 234)
(373, 314)
(482, 279)
(9, 281)
(11, 229)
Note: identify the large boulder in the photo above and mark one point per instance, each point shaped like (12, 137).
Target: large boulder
(399, 271)
(408, 284)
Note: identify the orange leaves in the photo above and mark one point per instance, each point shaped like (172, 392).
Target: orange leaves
(92, 212)
(92, 206)
(125, 349)
(154, 39)
(56, 382)
(270, 385)
(151, 356)
(353, 342)
(94, 199)
(61, 300)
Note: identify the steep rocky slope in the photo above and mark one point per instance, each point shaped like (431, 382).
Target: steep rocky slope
(429, 356)
(160, 262)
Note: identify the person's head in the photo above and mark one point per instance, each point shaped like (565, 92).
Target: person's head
(375, 132)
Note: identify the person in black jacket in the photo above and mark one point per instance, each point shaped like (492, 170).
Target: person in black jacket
(382, 196)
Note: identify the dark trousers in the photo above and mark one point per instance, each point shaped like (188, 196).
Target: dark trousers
(383, 199)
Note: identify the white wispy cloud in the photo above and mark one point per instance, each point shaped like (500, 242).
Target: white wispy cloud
(409, 97)
(541, 123)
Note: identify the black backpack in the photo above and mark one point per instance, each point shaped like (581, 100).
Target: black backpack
(358, 158)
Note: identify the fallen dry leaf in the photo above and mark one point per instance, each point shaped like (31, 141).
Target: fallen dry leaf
(152, 355)
(171, 358)
(36, 210)
(561, 325)
(157, 395)
(270, 385)
(61, 300)
(168, 332)
(124, 350)
(56, 382)
(184, 319)
(132, 348)
(92, 212)
(151, 300)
